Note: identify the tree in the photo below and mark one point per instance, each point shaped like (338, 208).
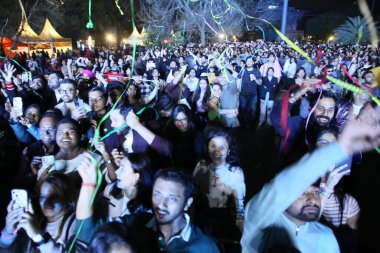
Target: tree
(353, 31)
(197, 18)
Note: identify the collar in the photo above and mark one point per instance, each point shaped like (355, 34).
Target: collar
(185, 233)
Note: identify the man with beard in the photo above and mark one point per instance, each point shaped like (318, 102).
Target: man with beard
(171, 226)
(72, 106)
(296, 137)
(40, 93)
(286, 210)
(53, 83)
(170, 230)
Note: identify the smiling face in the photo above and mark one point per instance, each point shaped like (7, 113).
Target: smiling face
(324, 113)
(218, 149)
(67, 136)
(68, 92)
(168, 201)
(181, 122)
(46, 130)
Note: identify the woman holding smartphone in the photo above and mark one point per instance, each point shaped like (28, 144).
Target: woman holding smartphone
(49, 226)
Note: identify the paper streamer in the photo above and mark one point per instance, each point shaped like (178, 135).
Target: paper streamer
(352, 88)
(118, 6)
(89, 24)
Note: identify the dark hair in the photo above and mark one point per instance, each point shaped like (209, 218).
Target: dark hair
(270, 68)
(64, 191)
(71, 121)
(38, 76)
(185, 110)
(115, 85)
(97, 88)
(67, 80)
(54, 112)
(206, 95)
(58, 74)
(301, 68)
(140, 164)
(325, 94)
(187, 181)
(110, 234)
(232, 158)
(164, 102)
(272, 54)
(33, 106)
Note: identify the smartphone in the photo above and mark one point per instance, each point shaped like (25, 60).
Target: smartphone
(17, 106)
(48, 162)
(20, 198)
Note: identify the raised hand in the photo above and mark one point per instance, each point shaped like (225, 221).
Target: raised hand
(87, 169)
(364, 133)
(9, 69)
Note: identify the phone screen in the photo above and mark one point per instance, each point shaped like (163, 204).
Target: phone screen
(20, 198)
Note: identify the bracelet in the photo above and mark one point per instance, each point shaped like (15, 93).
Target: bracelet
(89, 185)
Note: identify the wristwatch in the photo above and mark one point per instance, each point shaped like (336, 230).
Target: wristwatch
(41, 238)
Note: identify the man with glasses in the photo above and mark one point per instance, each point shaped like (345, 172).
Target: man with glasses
(72, 106)
(31, 158)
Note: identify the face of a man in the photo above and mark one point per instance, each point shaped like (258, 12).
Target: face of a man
(168, 201)
(36, 84)
(53, 81)
(67, 136)
(68, 92)
(369, 78)
(46, 130)
(249, 63)
(96, 101)
(306, 208)
(324, 112)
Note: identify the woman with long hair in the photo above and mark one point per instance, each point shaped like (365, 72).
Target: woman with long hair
(49, 226)
(131, 192)
(200, 99)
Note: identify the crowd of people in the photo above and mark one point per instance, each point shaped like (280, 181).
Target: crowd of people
(138, 153)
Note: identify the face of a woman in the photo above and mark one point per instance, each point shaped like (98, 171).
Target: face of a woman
(126, 177)
(181, 122)
(67, 136)
(51, 206)
(301, 74)
(132, 91)
(202, 84)
(192, 73)
(216, 91)
(33, 114)
(117, 119)
(218, 149)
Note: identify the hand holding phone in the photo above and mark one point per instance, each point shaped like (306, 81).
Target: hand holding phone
(17, 106)
(20, 199)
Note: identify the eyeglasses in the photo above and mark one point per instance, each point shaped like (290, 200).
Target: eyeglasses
(184, 120)
(66, 91)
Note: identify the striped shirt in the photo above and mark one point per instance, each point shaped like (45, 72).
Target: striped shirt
(332, 211)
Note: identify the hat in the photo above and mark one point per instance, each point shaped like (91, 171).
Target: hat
(88, 72)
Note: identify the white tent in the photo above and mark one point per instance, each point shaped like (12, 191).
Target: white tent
(48, 33)
(135, 37)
